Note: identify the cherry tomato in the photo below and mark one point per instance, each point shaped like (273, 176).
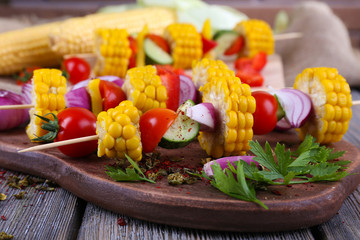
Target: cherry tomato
(259, 61)
(159, 41)
(265, 114)
(207, 44)
(133, 47)
(77, 68)
(153, 125)
(251, 77)
(111, 93)
(75, 122)
(25, 75)
(235, 47)
(172, 83)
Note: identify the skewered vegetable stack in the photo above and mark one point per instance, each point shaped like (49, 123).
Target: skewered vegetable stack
(331, 98)
(49, 88)
(234, 105)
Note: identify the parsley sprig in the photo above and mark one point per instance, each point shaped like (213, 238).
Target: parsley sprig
(130, 174)
(310, 162)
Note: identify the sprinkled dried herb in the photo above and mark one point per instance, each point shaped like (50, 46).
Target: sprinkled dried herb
(5, 236)
(2, 197)
(20, 195)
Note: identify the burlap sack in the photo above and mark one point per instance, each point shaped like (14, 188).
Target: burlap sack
(325, 43)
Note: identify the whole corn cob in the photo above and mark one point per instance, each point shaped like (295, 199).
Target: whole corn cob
(144, 88)
(258, 37)
(76, 35)
(185, 43)
(330, 94)
(49, 88)
(45, 45)
(26, 48)
(235, 107)
(205, 69)
(118, 131)
(113, 51)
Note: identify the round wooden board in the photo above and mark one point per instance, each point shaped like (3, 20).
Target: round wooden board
(195, 206)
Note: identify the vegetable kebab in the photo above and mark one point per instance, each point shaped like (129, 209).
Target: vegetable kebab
(48, 90)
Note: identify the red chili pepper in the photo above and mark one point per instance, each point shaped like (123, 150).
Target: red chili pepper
(3, 217)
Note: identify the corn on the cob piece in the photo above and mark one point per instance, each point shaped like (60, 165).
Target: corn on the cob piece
(118, 131)
(258, 37)
(205, 69)
(235, 107)
(27, 47)
(330, 94)
(112, 48)
(76, 35)
(49, 88)
(144, 88)
(185, 43)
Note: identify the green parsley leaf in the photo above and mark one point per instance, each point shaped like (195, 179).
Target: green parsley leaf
(310, 162)
(129, 175)
(237, 188)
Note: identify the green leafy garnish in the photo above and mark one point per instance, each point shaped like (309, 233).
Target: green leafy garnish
(310, 162)
(130, 174)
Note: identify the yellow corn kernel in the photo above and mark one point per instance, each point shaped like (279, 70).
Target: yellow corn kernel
(330, 94)
(144, 88)
(234, 115)
(205, 69)
(185, 43)
(47, 97)
(122, 134)
(257, 35)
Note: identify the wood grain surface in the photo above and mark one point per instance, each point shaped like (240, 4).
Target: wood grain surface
(197, 206)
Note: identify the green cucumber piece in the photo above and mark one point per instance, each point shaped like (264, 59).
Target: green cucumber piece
(224, 39)
(182, 131)
(154, 54)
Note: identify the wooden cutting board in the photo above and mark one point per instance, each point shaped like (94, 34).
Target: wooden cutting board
(195, 206)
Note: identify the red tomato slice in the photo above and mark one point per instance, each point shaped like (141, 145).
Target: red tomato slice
(78, 69)
(265, 118)
(235, 47)
(207, 44)
(133, 47)
(243, 63)
(172, 83)
(75, 122)
(259, 61)
(111, 93)
(160, 41)
(153, 125)
(251, 77)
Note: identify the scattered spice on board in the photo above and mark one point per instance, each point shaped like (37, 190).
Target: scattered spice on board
(3, 217)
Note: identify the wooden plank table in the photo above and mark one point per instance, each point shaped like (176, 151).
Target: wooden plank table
(59, 214)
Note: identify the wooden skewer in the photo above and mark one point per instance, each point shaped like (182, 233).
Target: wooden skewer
(285, 36)
(19, 106)
(61, 143)
(356, 102)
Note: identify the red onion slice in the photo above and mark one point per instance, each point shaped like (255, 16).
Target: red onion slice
(296, 104)
(223, 162)
(187, 89)
(78, 97)
(204, 114)
(11, 118)
(26, 93)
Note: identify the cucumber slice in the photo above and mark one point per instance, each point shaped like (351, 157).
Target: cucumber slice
(154, 54)
(182, 131)
(224, 38)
